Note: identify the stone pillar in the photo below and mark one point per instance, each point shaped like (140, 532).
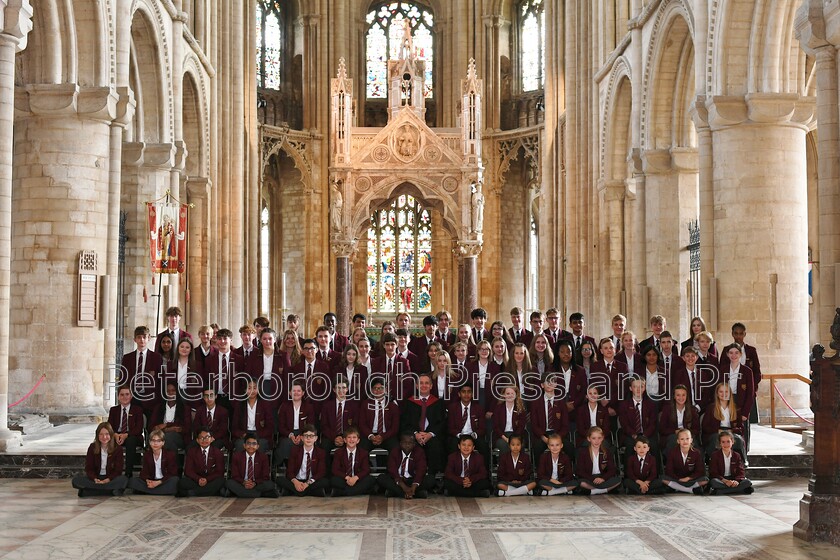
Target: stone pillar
(613, 283)
(760, 226)
(16, 26)
(469, 251)
(60, 208)
(343, 250)
(819, 508)
(705, 173)
(198, 273)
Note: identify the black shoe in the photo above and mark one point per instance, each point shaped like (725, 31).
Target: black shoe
(749, 490)
(284, 492)
(697, 491)
(584, 492)
(327, 492)
(616, 490)
(81, 493)
(485, 493)
(224, 492)
(421, 494)
(389, 494)
(275, 493)
(118, 492)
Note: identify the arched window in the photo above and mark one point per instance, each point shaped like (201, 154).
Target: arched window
(400, 258)
(265, 277)
(532, 44)
(384, 37)
(269, 39)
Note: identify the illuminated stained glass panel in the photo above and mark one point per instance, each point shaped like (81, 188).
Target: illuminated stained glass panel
(532, 44)
(400, 258)
(384, 38)
(269, 41)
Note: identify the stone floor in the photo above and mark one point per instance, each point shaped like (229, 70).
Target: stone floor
(42, 519)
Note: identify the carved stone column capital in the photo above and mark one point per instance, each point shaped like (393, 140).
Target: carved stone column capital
(344, 247)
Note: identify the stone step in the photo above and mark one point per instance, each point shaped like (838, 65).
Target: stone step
(803, 460)
(29, 424)
(808, 440)
(777, 473)
(41, 466)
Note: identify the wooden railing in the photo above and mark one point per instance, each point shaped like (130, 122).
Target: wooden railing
(773, 377)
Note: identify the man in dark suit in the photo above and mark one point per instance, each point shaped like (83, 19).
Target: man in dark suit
(425, 416)
(173, 318)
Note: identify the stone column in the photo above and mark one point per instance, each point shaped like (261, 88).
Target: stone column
(613, 281)
(198, 273)
(760, 226)
(343, 250)
(469, 251)
(60, 208)
(16, 26)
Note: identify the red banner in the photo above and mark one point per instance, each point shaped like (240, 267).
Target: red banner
(168, 237)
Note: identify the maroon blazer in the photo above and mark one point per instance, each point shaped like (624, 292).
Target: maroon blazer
(236, 367)
(181, 335)
(329, 420)
(194, 467)
(419, 345)
(152, 366)
(416, 464)
(135, 420)
(717, 466)
(636, 471)
(182, 410)
(753, 363)
(668, 422)
(414, 361)
(220, 426)
(602, 419)
(599, 373)
(264, 420)
(476, 414)
(341, 462)
(522, 472)
(113, 468)
(286, 417)
(168, 465)
(367, 411)
(400, 367)
(472, 368)
(638, 362)
(241, 351)
(558, 414)
(525, 337)
(627, 415)
(320, 385)
(706, 392)
(500, 420)
(448, 340)
(475, 468)
(471, 353)
(450, 390)
(583, 465)
(273, 389)
(565, 472)
(332, 356)
(577, 385)
(711, 425)
(318, 463)
(554, 340)
(745, 397)
(338, 342)
(486, 335)
(693, 467)
(238, 467)
(355, 384)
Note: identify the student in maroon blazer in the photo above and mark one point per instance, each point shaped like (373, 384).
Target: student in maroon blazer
(204, 468)
(99, 478)
(173, 320)
(726, 469)
(742, 384)
(465, 474)
(375, 412)
(629, 418)
(306, 472)
(549, 415)
(172, 417)
(591, 410)
(628, 351)
(392, 365)
(406, 476)
(509, 418)
(722, 415)
(610, 374)
(324, 352)
(420, 344)
(337, 341)
(571, 378)
(671, 362)
(699, 382)
(515, 475)
(267, 367)
(555, 474)
(337, 416)
(444, 334)
(247, 335)
(641, 475)
(466, 416)
(739, 331)
(146, 391)
(685, 470)
(705, 349)
(250, 472)
(315, 373)
(210, 415)
(150, 480)
(127, 422)
(291, 418)
(595, 467)
(227, 383)
(351, 477)
(252, 415)
(676, 415)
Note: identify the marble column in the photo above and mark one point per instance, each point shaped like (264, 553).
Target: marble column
(17, 23)
(469, 251)
(760, 226)
(343, 250)
(198, 273)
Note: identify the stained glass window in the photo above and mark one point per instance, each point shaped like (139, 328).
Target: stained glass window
(269, 39)
(532, 44)
(384, 38)
(264, 261)
(399, 265)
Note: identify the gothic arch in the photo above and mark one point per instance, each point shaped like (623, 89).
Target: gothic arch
(92, 44)
(193, 131)
(614, 149)
(194, 75)
(425, 190)
(149, 75)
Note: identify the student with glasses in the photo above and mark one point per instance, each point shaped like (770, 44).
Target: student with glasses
(306, 472)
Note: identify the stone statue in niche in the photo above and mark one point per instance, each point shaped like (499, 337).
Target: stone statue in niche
(336, 206)
(477, 208)
(407, 141)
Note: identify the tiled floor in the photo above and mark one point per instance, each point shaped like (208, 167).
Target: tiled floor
(45, 519)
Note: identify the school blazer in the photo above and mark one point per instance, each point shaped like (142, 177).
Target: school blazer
(635, 470)
(475, 468)
(506, 471)
(329, 419)
(238, 466)
(114, 467)
(220, 427)
(500, 420)
(602, 420)
(416, 464)
(286, 417)
(318, 463)
(341, 463)
(263, 419)
(476, 414)
(558, 413)
(627, 414)
(583, 466)
(693, 467)
(565, 472)
(168, 465)
(135, 420)
(736, 466)
(194, 467)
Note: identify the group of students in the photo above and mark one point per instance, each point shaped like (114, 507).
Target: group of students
(452, 395)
